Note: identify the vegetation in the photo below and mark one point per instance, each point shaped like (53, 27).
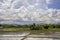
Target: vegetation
(9, 27)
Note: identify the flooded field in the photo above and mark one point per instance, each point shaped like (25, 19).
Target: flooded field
(28, 36)
(41, 39)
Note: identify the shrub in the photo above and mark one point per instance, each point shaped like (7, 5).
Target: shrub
(46, 26)
(34, 28)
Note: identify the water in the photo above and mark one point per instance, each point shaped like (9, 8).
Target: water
(13, 35)
(11, 38)
(41, 39)
(28, 39)
(27, 36)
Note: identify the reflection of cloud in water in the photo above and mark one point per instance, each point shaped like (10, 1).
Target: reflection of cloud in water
(41, 39)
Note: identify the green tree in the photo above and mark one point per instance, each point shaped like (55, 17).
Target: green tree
(46, 26)
(34, 27)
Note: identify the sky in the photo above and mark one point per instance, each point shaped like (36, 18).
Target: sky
(54, 4)
(27, 11)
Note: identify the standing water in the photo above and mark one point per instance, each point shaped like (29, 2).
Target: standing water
(13, 35)
(27, 36)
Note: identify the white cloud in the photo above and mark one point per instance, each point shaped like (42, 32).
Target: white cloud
(48, 1)
(29, 13)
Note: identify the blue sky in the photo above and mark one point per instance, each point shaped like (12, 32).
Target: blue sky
(54, 4)
(29, 10)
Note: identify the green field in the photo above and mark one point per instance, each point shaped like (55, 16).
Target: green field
(28, 29)
(32, 28)
(14, 29)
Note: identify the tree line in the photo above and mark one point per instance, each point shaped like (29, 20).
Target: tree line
(31, 26)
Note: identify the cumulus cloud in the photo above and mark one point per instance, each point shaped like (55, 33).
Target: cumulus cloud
(20, 10)
(48, 1)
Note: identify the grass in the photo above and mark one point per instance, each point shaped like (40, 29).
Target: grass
(54, 29)
(46, 31)
(33, 29)
(32, 32)
(14, 29)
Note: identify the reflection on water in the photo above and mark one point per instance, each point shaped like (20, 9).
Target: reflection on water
(10, 38)
(22, 35)
(41, 39)
(28, 39)
(13, 35)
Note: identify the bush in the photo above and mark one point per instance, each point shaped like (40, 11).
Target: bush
(46, 26)
(34, 28)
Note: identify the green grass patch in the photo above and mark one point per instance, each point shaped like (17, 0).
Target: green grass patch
(14, 29)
